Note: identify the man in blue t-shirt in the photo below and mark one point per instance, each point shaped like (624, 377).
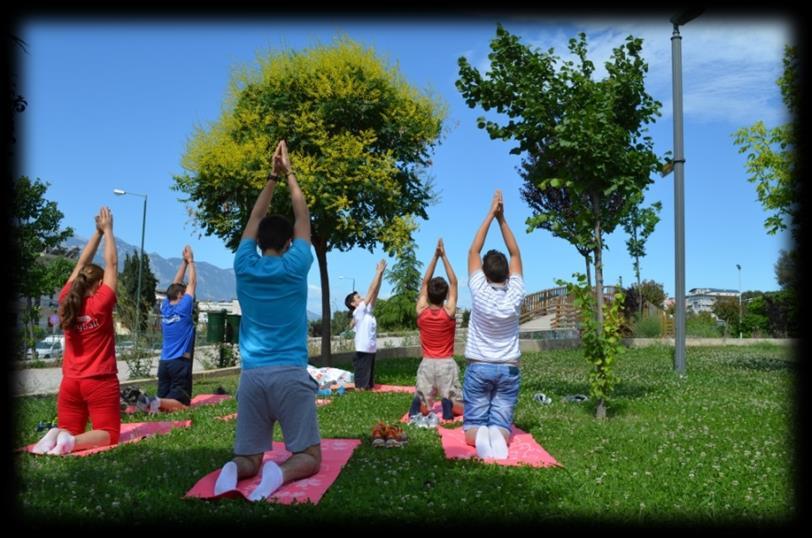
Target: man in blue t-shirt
(274, 382)
(177, 324)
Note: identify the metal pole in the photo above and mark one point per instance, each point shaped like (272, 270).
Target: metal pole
(679, 205)
(140, 266)
(739, 267)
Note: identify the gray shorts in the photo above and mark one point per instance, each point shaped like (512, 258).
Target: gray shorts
(276, 393)
(438, 378)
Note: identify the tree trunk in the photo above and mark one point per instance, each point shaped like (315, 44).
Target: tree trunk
(321, 255)
(639, 287)
(600, 411)
(588, 275)
(598, 263)
(29, 328)
(637, 272)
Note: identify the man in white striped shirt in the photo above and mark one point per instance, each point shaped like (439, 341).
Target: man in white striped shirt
(491, 383)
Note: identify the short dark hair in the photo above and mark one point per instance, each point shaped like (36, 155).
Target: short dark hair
(274, 232)
(438, 290)
(495, 266)
(348, 300)
(175, 291)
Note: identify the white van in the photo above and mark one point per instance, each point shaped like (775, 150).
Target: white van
(50, 347)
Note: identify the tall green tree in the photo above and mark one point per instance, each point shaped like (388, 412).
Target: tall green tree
(405, 274)
(771, 155)
(786, 269)
(398, 311)
(37, 229)
(582, 135)
(647, 291)
(128, 293)
(360, 139)
(772, 165)
(640, 224)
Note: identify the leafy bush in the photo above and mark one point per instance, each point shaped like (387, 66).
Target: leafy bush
(648, 327)
(702, 325)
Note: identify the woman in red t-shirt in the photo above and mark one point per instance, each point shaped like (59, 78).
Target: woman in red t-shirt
(89, 387)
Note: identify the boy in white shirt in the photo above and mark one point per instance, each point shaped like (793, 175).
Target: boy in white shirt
(491, 382)
(366, 327)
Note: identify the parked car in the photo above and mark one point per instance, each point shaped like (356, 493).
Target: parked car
(50, 347)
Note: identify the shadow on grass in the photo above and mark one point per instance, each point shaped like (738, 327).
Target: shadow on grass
(761, 364)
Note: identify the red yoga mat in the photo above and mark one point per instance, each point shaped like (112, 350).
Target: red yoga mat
(392, 388)
(522, 450)
(131, 432)
(200, 399)
(335, 453)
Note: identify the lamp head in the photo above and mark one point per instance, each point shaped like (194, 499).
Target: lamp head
(119, 192)
(686, 16)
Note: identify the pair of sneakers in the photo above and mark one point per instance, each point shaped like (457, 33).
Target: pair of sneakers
(148, 404)
(424, 421)
(387, 435)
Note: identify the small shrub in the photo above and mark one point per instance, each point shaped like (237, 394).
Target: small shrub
(648, 327)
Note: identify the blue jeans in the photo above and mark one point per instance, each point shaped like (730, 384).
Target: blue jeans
(490, 392)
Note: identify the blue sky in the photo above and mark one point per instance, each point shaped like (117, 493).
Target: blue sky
(111, 104)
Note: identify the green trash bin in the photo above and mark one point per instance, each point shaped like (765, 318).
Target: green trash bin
(233, 328)
(216, 327)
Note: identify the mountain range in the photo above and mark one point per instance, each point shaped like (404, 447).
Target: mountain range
(213, 283)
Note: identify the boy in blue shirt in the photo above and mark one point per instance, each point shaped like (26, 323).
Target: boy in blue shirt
(178, 326)
(274, 383)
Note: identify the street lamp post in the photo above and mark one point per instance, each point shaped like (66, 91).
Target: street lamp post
(120, 192)
(739, 267)
(349, 278)
(679, 190)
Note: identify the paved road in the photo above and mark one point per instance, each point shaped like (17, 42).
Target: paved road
(32, 381)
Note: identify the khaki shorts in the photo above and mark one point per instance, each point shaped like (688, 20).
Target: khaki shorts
(438, 378)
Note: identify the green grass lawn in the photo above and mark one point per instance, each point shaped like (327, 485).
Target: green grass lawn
(715, 447)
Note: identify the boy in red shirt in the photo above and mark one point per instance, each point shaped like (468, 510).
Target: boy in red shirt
(89, 387)
(438, 373)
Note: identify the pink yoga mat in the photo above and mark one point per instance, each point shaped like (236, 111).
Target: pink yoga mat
(335, 453)
(131, 432)
(523, 449)
(392, 388)
(200, 399)
(437, 408)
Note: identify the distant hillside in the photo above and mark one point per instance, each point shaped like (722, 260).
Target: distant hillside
(213, 283)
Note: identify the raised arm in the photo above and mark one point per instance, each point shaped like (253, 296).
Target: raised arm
(423, 297)
(474, 257)
(189, 260)
(88, 252)
(375, 285)
(451, 302)
(263, 201)
(181, 268)
(110, 255)
(301, 213)
(510, 242)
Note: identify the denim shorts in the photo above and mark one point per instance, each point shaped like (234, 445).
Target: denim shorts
(490, 392)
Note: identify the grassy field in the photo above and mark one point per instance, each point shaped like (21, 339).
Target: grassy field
(714, 447)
